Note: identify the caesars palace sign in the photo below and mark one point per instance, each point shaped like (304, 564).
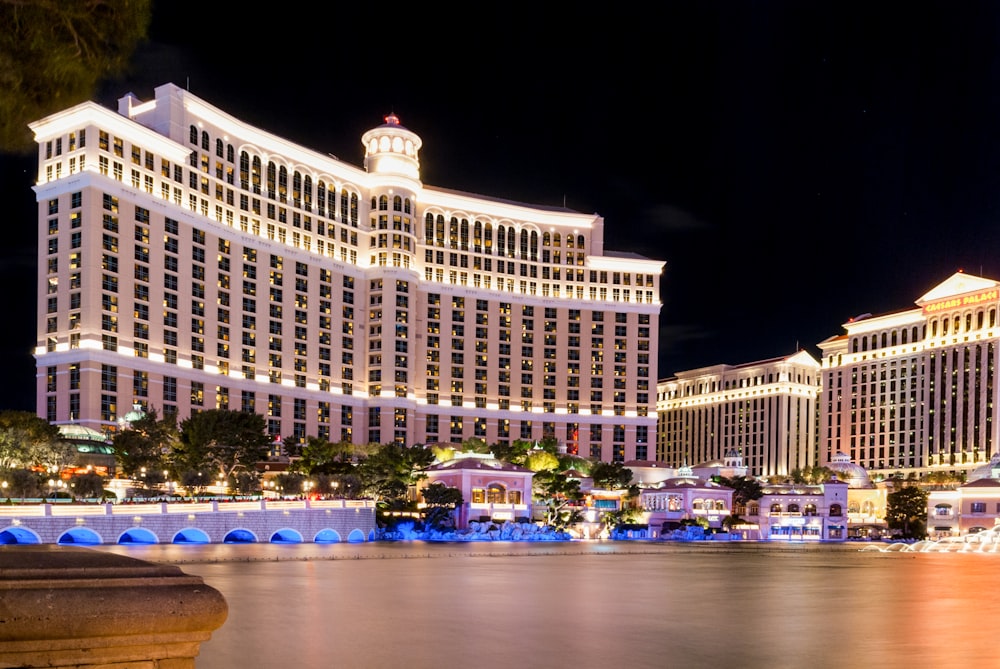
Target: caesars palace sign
(968, 300)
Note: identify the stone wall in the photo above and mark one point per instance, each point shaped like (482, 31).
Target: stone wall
(180, 523)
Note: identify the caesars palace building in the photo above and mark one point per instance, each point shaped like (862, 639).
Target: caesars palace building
(905, 393)
(188, 261)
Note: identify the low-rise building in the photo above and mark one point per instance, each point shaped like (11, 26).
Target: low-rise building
(798, 512)
(491, 489)
(668, 504)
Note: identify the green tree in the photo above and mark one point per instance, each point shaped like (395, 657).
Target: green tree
(221, 441)
(611, 475)
(561, 497)
(320, 456)
(29, 441)
(516, 452)
(388, 473)
(441, 502)
(87, 485)
(538, 461)
(906, 511)
(23, 483)
(745, 489)
(147, 442)
(53, 54)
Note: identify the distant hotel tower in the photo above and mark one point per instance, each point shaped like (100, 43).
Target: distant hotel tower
(916, 391)
(765, 411)
(188, 261)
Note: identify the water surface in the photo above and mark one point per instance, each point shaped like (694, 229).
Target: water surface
(599, 604)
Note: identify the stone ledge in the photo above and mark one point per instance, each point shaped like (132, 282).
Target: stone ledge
(64, 606)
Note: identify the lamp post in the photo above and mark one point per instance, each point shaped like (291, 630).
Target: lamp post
(334, 485)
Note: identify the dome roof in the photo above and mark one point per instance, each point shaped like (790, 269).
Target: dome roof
(985, 471)
(855, 475)
(76, 432)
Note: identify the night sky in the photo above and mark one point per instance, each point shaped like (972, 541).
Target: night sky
(794, 163)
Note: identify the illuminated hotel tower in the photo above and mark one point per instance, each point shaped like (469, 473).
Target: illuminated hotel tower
(765, 411)
(189, 261)
(915, 391)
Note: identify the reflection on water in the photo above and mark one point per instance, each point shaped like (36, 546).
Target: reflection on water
(592, 605)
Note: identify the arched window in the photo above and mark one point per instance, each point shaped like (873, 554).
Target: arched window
(464, 234)
(534, 245)
(570, 241)
(272, 178)
(579, 241)
(397, 203)
(383, 202)
(496, 494)
(218, 147)
(556, 239)
(793, 508)
(809, 510)
(297, 188)
(524, 244)
(406, 206)
(546, 239)
(439, 231)
(836, 510)
(307, 192)
(244, 170)
(321, 198)
(283, 183)
(720, 505)
(255, 175)
(453, 233)
(429, 228)
(776, 508)
(511, 241)
(204, 140)
(477, 236)
(193, 138)
(501, 240)
(230, 153)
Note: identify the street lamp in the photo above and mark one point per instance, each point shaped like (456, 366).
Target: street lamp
(334, 485)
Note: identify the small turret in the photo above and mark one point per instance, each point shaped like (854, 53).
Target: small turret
(391, 149)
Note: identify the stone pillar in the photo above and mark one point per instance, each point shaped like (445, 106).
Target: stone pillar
(65, 606)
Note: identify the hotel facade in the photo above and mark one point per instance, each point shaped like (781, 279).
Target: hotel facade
(188, 261)
(764, 411)
(915, 391)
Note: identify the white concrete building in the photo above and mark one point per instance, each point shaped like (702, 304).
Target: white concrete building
(763, 411)
(915, 391)
(190, 261)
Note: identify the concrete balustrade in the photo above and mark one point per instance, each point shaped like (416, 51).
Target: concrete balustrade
(63, 606)
(262, 520)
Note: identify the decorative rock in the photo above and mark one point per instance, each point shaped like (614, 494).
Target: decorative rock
(78, 608)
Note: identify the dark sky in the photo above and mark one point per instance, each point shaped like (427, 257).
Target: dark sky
(794, 163)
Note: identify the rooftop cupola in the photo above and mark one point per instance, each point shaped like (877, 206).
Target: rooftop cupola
(391, 149)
